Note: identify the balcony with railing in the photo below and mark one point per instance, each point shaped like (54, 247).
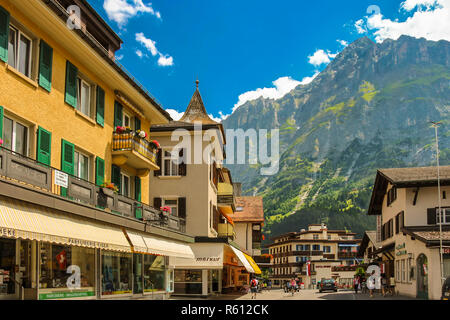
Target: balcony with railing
(347, 255)
(26, 171)
(225, 198)
(138, 153)
(226, 230)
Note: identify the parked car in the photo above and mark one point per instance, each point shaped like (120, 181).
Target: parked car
(446, 290)
(328, 285)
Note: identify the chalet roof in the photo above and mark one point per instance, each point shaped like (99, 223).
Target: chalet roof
(369, 236)
(252, 210)
(429, 234)
(404, 178)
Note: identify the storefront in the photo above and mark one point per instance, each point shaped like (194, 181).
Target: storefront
(49, 255)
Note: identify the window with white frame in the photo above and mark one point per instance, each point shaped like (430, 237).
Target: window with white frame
(172, 204)
(82, 165)
(315, 236)
(126, 120)
(15, 136)
(126, 185)
(20, 51)
(84, 96)
(169, 167)
(445, 216)
(397, 271)
(403, 268)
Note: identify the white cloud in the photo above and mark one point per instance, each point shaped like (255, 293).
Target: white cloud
(282, 85)
(164, 60)
(147, 43)
(342, 43)
(321, 57)
(359, 25)
(175, 115)
(431, 20)
(139, 53)
(121, 11)
(119, 57)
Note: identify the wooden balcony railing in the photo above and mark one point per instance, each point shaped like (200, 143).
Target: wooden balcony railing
(135, 151)
(347, 255)
(20, 169)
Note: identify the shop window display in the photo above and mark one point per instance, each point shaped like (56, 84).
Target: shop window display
(7, 266)
(154, 273)
(59, 276)
(116, 273)
(188, 281)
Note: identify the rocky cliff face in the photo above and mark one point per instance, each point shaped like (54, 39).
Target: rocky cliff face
(369, 109)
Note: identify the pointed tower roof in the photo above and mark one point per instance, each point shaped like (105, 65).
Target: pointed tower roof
(196, 111)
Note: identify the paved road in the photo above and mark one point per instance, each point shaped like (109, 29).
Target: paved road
(304, 295)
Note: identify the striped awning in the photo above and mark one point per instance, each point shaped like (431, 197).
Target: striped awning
(19, 219)
(243, 259)
(253, 264)
(143, 243)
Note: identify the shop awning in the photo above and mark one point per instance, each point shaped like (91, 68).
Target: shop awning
(253, 264)
(206, 256)
(19, 219)
(142, 243)
(243, 259)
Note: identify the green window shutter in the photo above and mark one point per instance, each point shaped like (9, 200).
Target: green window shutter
(137, 123)
(118, 114)
(137, 188)
(4, 34)
(100, 106)
(67, 157)
(44, 146)
(1, 122)
(115, 177)
(45, 66)
(71, 84)
(99, 171)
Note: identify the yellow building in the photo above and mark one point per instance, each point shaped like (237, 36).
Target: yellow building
(62, 97)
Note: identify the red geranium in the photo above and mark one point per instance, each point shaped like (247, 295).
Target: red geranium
(166, 210)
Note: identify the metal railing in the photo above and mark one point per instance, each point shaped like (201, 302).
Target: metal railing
(21, 169)
(130, 142)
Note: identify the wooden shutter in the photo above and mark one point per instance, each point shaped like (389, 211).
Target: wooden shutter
(182, 168)
(137, 189)
(99, 171)
(44, 146)
(431, 216)
(397, 223)
(4, 34)
(68, 157)
(137, 123)
(45, 66)
(71, 84)
(182, 208)
(1, 122)
(159, 163)
(100, 106)
(115, 177)
(157, 203)
(118, 114)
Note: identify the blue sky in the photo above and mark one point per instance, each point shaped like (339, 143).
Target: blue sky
(240, 50)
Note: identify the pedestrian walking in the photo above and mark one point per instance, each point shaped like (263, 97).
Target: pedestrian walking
(383, 284)
(254, 287)
(356, 283)
(371, 283)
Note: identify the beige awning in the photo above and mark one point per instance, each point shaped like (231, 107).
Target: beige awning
(206, 256)
(19, 219)
(143, 243)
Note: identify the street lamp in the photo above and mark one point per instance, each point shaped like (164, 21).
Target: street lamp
(435, 125)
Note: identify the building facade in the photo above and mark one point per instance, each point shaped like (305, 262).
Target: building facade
(76, 217)
(405, 202)
(314, 254)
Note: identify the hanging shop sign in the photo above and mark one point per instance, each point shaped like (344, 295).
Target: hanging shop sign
(401, 249)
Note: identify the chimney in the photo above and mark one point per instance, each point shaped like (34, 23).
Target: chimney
(324, 231)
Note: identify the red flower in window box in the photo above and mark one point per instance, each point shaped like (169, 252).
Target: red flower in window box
(1, 142)
(166, 210)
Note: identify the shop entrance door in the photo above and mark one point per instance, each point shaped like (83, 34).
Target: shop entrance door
(8, 264)
(422, 277)
(137, 272)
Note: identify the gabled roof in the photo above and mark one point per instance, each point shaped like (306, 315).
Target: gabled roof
(404, 178)
(252, 210)
(369, 236)
(196, 111)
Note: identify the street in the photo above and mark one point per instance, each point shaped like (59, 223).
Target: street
(278, 294)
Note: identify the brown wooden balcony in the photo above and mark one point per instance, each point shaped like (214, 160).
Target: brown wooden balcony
(23, 170)
(347, 255)
(138, 153)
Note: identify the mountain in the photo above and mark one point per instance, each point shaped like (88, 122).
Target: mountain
(369, 109)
